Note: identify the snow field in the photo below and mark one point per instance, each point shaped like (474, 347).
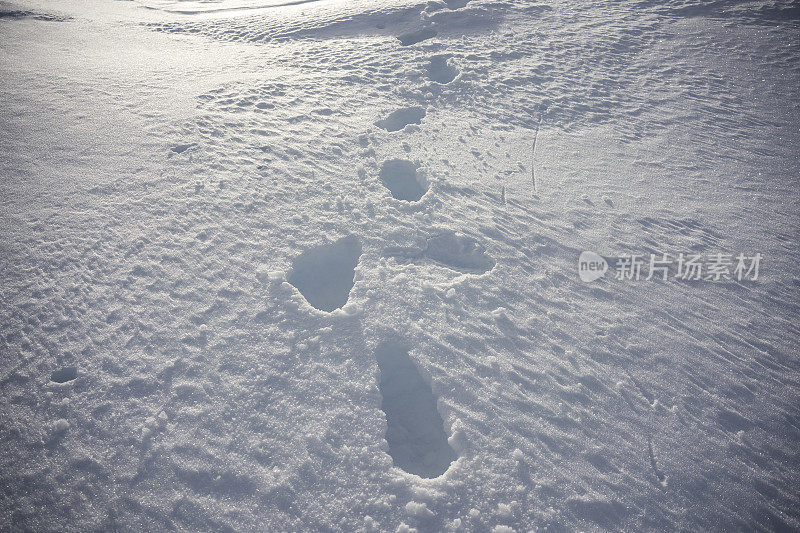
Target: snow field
(175, 185)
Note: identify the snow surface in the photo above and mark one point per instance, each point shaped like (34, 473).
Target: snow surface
(254, 252)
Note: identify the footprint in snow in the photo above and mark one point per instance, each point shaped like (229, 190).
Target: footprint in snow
(324, 274)
(399, 119)
(63, 375)
(403, 179)
(441, 70)
(414, 37)
(414, 428)
(180, 148)
(456, 252)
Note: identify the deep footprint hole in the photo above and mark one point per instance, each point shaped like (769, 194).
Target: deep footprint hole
(414, 428)
(324, 274)
(403, 180)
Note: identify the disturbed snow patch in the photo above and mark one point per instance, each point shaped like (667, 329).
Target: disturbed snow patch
(457, 252)
(460, 253)
(11, 13)
(399, 119)
(324, 274)
(403, 180)
(415, 430)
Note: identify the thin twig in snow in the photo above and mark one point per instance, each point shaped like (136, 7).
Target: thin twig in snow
(533, 152)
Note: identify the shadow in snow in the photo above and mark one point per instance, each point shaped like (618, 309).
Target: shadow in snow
(62, 375)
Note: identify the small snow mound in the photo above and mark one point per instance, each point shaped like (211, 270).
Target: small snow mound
(60, 426)
(418, 509)
(370, 524)
(265, 275)
(499, 313)
(400, 118)
(403, 180)
(325, 274)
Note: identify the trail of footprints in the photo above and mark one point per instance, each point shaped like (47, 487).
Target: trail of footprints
(324, 276)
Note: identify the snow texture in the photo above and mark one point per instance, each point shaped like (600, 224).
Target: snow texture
(270, 265)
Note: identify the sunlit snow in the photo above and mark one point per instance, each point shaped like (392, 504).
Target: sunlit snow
(403, 265)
